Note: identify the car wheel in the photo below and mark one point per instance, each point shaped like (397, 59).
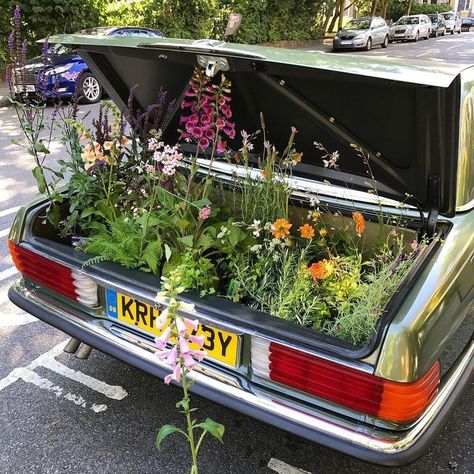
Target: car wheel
(428, 35)
(436, 34)
(368, 46)
(385, 42)
(459, 32)
(452, 32)
(417, 37)
(89, 89)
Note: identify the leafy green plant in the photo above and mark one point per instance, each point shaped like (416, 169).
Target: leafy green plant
(131, 242)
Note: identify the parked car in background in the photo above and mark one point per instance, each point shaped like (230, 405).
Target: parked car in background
(67, 71)
(362, 33)
(411, 27)
(467, 24)
(452, 21)
(438, 28)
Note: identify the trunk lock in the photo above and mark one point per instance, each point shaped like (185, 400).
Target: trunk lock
(213, 64)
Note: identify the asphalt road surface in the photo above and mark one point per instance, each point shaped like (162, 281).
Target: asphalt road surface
(55, 420)
(453, 48)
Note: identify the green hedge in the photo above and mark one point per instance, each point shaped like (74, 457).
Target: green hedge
(263, 20)
(398, 8)
(41, 18)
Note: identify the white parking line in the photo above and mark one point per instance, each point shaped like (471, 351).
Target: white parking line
(4, 232)
(48, 361)
(9, 211)
(9, 272)
(283, 468)
(112, 391)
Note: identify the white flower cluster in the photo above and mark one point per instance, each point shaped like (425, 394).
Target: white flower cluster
(256, 228)
(169, 157)
(223, 232)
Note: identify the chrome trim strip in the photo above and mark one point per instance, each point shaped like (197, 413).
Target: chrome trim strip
(352, 433)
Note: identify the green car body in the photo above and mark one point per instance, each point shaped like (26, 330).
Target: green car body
(432, 317)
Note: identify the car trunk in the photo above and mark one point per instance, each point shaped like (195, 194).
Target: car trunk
(403, 119)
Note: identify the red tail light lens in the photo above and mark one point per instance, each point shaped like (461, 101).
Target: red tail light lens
(366, 393)
(53, 275)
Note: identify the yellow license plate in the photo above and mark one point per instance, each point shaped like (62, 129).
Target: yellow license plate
(220, 345)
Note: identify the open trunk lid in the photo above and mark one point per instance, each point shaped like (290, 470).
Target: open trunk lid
(405, 118)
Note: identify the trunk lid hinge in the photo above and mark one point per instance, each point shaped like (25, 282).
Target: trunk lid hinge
(434, 186)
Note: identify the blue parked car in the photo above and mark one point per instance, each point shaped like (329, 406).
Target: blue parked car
(68, 72)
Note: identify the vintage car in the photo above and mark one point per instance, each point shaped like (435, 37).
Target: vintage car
(382, 402)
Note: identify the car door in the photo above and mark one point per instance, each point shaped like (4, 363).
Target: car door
(376, 31)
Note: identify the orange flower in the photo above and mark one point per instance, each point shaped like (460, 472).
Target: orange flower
(280, 228)
(307, 232)
(297, 158)
(321, 270)
(237, 158)
(359, 222)
(323, 232)
(266, 175)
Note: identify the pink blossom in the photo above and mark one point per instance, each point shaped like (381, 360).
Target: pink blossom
(189, 361)
(198, 355)
(197, 132)
(190, 126)
(205, 119)
(204, 143)
(172, 357)
(183, 345)
(176, 375)
(163, 339)
(198, 340)
(221, 146)
(194, 118)
(210, 133)
(220, 123)
(204, 213)
(191, 324)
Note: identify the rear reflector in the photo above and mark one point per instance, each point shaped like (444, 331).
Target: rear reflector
(70, 283)
(346, 386)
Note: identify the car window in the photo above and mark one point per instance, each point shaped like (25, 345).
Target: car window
(408, 20)
(358, 24)
(449, 16)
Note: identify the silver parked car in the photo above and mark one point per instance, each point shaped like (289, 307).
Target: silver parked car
(362, 33)
(453, 22)
(411, 27)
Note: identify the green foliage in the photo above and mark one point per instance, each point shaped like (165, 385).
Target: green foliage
(263, 20)
(398, 8)
(46, 17)
(127, 241)
(356, 321)
(196, 272)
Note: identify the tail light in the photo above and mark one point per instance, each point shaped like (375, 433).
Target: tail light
(70, 283)
(346, 386)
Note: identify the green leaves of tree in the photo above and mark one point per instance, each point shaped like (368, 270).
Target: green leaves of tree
(40, 179)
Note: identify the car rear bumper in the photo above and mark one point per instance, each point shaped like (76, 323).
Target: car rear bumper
(349, 436)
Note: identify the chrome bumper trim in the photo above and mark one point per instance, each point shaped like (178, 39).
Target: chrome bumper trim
(363, 441)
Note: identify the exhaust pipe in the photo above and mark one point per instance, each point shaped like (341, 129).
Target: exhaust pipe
(84, 351)
(72, 345)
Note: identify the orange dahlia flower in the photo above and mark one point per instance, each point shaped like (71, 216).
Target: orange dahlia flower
(321, 270)
(306, 231)
(359, 222)
(280, 228)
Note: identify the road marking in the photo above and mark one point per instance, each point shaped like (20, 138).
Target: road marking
(9, 272)
(111, 391)
(4, 232)
(48, 361)
(283, 468)
(9, 211)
